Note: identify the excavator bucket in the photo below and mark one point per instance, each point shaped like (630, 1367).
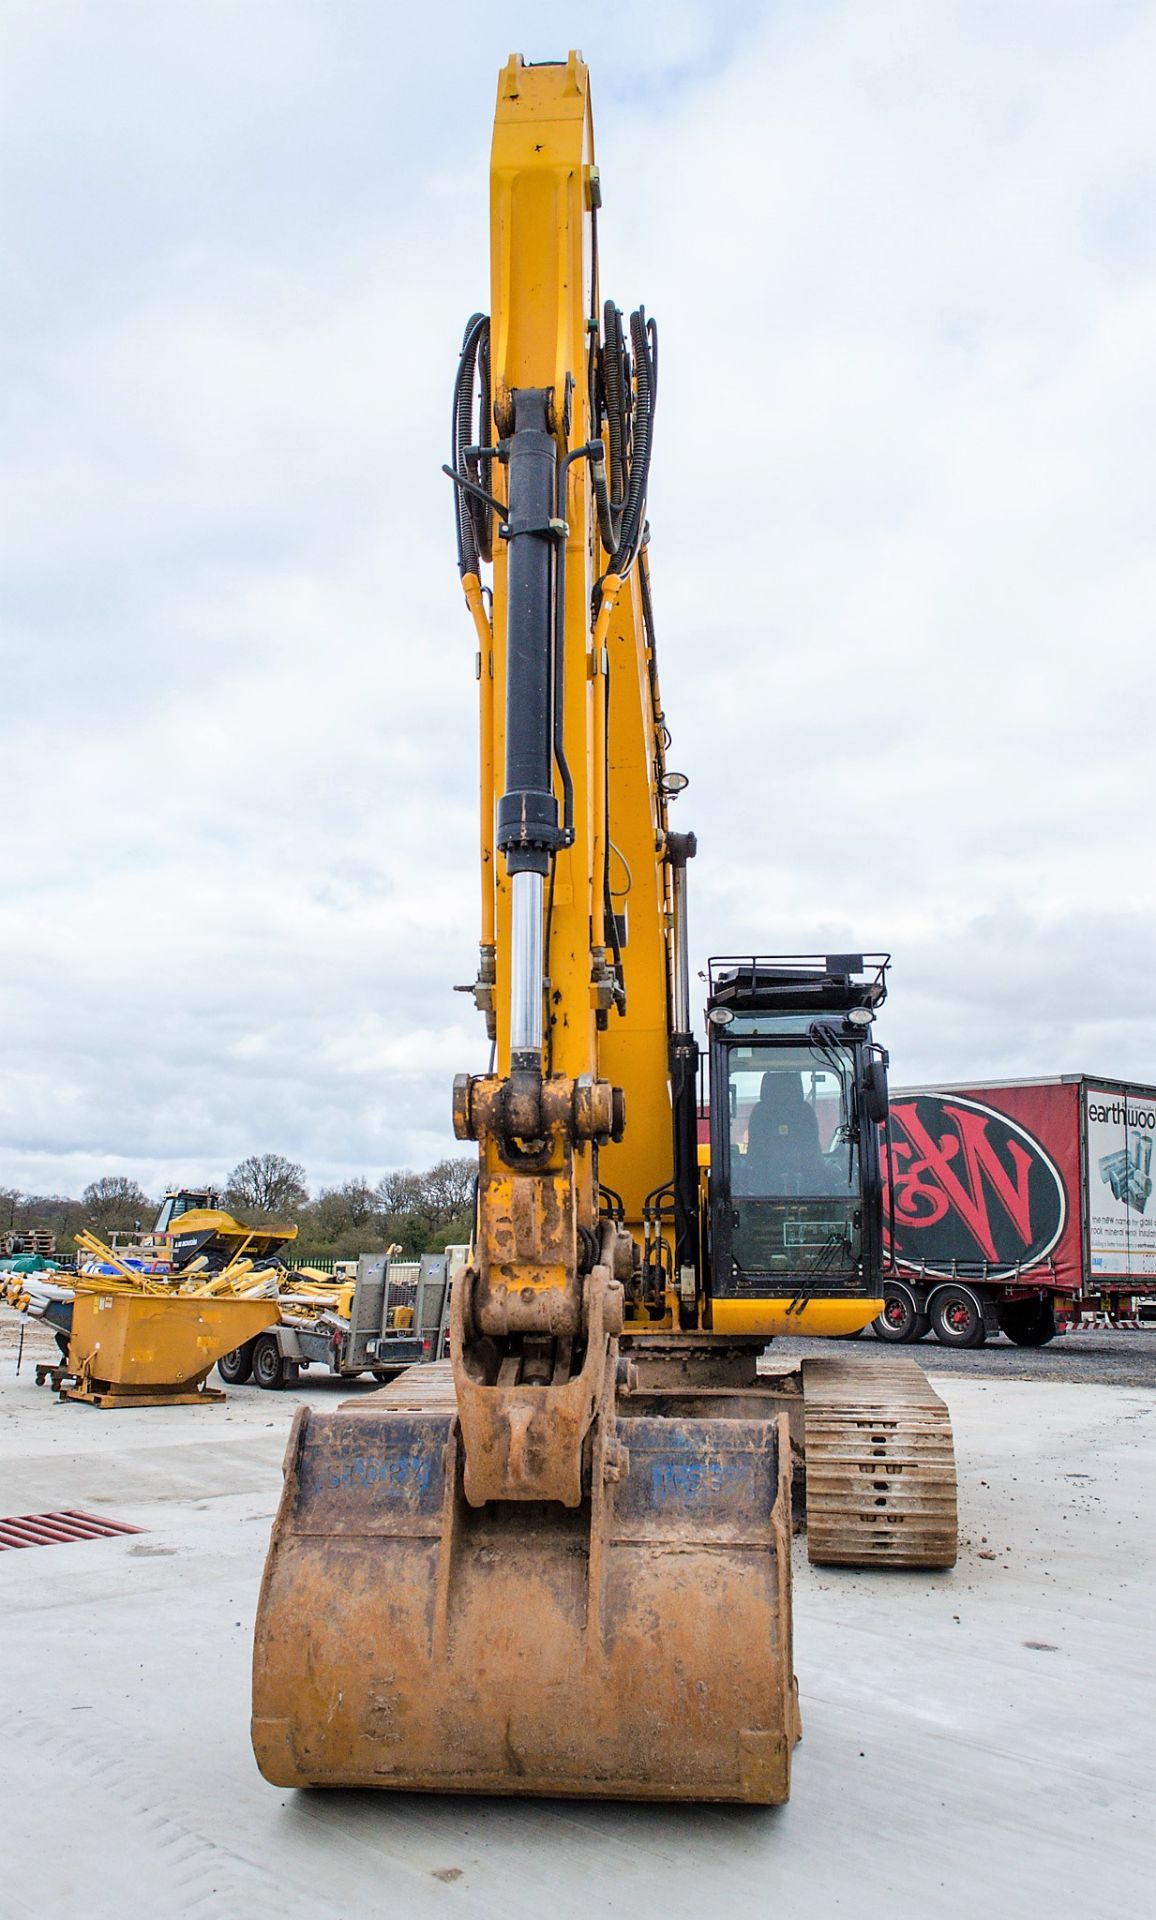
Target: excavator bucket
(150, 1350)
(635, 1647)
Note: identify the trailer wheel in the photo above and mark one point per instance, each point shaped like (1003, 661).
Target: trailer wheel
(957, 1317)
(269, 1368)
(1030, 1323)
(901, 1318)
(236, 1366)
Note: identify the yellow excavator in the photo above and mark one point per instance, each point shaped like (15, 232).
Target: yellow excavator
(560, 1562)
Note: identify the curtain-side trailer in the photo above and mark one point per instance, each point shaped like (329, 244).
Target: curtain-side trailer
(1018, 1207)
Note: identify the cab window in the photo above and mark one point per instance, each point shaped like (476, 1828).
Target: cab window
(789, 1123)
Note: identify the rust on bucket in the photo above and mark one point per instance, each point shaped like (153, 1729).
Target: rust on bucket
(638, 1646)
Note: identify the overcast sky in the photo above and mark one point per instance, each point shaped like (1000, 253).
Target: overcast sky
(903, 260)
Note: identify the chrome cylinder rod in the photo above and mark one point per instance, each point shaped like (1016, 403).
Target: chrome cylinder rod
(526, 967)
(680, 968)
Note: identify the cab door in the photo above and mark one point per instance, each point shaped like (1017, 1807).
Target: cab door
(786, 1208)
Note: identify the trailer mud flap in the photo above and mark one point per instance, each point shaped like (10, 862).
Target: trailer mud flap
(636, 1647)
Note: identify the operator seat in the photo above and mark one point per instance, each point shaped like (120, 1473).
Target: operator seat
(783, 1151)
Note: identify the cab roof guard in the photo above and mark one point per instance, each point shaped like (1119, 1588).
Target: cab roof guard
(792, 980)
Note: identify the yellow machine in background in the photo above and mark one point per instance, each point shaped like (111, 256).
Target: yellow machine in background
(561, 1565)
(180, 1297)
(193, 1227)
(136, 1349)
(143, 1321)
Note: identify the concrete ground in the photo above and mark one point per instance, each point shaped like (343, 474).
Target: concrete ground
(975, 1742)
(1116, 1356)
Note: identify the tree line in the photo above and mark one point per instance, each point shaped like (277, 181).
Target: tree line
(414, 1212)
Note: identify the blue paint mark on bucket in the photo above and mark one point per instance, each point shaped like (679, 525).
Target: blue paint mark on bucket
(398, 1466)
(679, 1481)
(394, 1472)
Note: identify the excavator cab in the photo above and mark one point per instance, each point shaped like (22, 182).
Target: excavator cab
(798, 1090)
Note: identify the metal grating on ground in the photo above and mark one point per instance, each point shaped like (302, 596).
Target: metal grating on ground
(57, 1529)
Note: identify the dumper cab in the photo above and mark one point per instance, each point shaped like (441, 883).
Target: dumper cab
(186, 1200)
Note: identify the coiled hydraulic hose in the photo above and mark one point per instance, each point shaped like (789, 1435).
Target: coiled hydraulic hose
(644, 338)
(474, 517)
(626, 391)
(616, 404)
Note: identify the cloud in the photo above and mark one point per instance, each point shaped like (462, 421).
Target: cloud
(903, 267)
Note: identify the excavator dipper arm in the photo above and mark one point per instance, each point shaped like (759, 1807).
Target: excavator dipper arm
(538, 1311)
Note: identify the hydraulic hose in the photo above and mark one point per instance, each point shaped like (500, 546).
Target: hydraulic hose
(644, 340)
(616, 394)
(626, 391)
(473, 516)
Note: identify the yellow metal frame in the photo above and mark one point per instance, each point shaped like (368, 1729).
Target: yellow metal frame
(793, 1318)
(138, 1349)
(541, 161)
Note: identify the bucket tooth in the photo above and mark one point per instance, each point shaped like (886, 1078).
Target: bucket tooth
(637, 1647)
